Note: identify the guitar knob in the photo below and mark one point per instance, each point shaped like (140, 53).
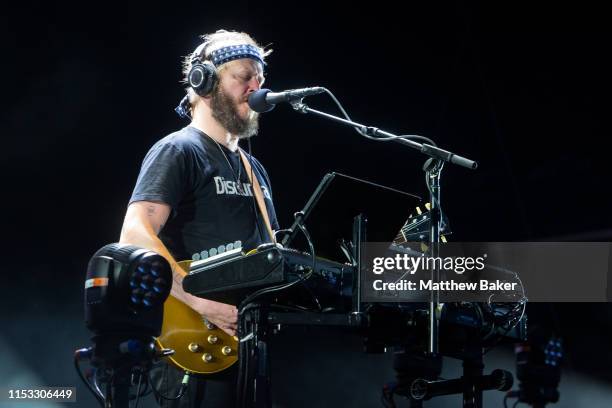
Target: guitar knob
(212, 339)
(207, 357)
(209, 325)
(193, 347)
(226, 350)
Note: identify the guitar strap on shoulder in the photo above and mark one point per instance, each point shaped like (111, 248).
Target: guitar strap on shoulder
(258, 194)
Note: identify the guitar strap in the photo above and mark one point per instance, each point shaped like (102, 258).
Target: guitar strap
(258, 194)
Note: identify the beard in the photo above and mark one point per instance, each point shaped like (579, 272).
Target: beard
(225, 110)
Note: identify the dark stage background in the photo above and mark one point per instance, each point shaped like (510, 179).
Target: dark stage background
(521, 88)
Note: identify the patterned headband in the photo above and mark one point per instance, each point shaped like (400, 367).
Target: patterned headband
(234, 52)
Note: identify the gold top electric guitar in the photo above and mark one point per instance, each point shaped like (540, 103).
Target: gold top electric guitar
(199, 346)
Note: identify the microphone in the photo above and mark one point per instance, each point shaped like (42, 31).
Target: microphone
(264, 100)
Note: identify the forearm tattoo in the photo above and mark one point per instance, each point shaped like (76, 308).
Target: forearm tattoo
(151, 213)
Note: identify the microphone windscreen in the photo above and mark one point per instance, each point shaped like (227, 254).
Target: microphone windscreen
(257, 101)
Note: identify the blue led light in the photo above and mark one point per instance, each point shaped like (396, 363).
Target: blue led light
(157, 267)
(150, 298)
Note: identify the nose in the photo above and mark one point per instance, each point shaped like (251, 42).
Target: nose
(254, 84)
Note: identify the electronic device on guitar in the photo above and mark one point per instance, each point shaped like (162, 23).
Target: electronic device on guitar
(232, 276)
(200, 347)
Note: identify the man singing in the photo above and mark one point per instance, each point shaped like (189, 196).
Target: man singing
(194, 192)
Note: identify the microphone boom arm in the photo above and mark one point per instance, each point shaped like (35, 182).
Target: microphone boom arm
(432, 151)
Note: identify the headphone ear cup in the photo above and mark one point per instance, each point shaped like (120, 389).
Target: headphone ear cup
(202, 77)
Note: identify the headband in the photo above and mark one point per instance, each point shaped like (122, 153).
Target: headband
(233, 52)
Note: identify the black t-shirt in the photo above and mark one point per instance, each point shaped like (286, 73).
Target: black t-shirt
(211, 208)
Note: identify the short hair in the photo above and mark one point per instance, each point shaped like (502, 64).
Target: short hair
(212, 42)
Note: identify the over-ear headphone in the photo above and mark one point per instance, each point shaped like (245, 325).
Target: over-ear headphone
(202, 76)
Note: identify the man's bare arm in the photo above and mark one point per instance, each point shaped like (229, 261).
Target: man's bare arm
(141, 226)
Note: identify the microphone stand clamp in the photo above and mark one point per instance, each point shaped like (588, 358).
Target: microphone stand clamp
(299, 106)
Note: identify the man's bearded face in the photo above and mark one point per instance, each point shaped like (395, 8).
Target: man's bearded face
(225, 109)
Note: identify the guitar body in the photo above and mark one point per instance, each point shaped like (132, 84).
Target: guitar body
(199, 347)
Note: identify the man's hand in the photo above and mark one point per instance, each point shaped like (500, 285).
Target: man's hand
(222, 315)
(143, 221)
